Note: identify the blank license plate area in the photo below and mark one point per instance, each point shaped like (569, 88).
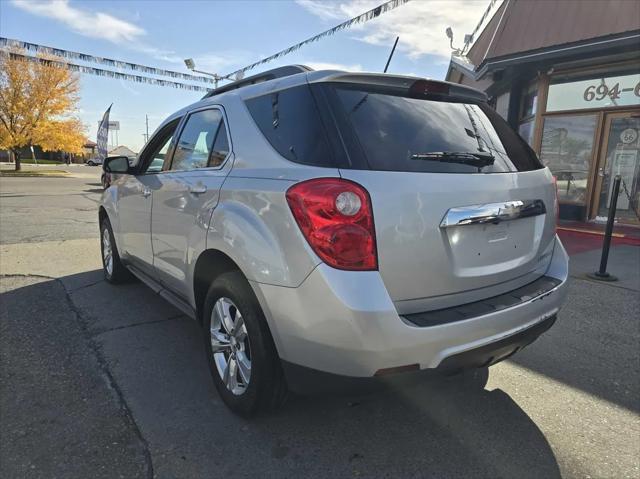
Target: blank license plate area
(495, 246)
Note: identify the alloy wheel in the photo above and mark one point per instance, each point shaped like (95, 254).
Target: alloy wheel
(107, 252)
(230, 346)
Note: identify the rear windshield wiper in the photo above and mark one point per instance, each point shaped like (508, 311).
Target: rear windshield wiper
(479, 160)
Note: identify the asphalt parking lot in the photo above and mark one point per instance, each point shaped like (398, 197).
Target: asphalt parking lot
(105, 381)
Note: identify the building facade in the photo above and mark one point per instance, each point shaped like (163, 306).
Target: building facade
(566, 75)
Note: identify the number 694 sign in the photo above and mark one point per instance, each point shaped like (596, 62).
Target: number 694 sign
(621, 90)
(600, 92)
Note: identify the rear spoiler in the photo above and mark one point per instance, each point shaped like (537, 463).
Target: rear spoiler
(259, 78)
(402, 85)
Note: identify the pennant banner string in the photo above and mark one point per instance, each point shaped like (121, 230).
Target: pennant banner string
(34, 48)
(470, 38)
(365, 17)
(107, 73)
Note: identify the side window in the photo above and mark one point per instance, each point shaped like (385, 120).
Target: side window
(152, 159)
(196, 141)
(159, 156)
(290, 120)
(220, 146)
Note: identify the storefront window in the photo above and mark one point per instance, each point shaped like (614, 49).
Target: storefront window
(599, 92)
(526, 116)
(529, 103)
(623, 158)
(502, 105)
(567, 149)
(526, 131)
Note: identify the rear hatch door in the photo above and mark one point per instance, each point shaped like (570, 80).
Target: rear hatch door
(463, 209)
(421, 257)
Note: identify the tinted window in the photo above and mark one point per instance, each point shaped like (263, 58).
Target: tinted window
(220, 147)
(402, 134)
(154, 156)
(290, 121)
(196, 140)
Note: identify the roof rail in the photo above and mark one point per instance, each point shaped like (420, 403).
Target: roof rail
(259, 78)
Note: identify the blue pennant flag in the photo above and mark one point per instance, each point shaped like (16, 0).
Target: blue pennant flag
(103, 134)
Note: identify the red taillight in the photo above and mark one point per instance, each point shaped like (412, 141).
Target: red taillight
(336, 218)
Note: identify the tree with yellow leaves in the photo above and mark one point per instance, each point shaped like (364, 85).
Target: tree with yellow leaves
(38, 99)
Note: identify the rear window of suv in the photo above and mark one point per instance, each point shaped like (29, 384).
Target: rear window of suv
(399, 133)
(388, 132)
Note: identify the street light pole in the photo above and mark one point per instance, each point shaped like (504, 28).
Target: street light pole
(216, 78)
(191, 65)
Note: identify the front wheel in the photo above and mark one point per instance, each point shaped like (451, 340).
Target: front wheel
(242, 357)
(114, 271)
(91, 163)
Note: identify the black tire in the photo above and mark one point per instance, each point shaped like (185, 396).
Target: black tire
(91, 163)
(117, 273)
(266, 389)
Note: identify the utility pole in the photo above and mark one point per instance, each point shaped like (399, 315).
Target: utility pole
(146, 135)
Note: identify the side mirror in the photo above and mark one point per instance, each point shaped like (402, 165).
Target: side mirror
(116, 164)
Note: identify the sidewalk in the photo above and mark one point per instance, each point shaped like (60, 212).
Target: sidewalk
(74, 170)
(585, 251)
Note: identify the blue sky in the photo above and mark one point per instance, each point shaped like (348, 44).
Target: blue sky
(225, 35)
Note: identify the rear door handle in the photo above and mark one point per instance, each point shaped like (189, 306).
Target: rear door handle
(197, 189)
(146, 192)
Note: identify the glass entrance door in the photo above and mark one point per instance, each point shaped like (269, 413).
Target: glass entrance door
(620, 155)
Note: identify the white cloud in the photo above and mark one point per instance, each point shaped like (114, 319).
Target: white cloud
(157, 53)
(421, 24)
(84, 22)
(96, 25)
(327, 10)
(124, 33)
(222, 63)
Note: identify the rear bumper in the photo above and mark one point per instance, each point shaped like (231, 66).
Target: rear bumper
(497, 351)
(345, 323)
(310, 381)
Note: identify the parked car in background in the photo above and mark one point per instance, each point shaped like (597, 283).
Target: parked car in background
(94, 161)
(331, 225)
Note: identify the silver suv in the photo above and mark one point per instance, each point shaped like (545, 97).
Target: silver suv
(324, 224)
